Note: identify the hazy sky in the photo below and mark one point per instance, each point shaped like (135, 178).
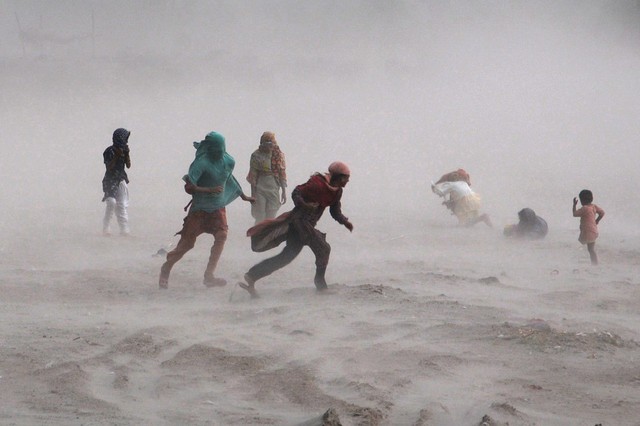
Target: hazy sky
(536, 99)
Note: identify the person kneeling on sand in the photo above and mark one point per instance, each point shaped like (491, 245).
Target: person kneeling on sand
(212, 185)
(463, 202)
(530, 227)
(298, 227)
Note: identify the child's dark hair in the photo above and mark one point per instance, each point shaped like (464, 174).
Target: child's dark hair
(586, 197)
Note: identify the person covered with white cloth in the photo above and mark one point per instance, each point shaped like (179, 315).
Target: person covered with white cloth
(463, 202)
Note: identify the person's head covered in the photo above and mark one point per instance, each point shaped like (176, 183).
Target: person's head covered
(268, 137)
(459, 175)
(339, 174)
(121, 137)
(527, 215)
(339, 168)
(268, 142)
(213, 146)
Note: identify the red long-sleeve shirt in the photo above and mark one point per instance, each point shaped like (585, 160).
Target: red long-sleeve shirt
(318, 190)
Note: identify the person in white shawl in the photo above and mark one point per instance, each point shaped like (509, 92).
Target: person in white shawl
(463, 202)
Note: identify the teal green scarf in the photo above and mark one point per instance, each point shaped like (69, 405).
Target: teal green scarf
(213, 166)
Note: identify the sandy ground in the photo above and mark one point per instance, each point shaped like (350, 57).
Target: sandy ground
(425, 325)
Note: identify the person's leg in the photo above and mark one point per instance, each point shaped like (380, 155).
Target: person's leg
(321, 249)
(258, 208)
(487, 220)
(481, 218)
(292, 248)
(469, 222)
(271, 209)
(592, 253)
(190, 231)
(272, 204)
(122, 203)
(110, 208)
(220, 237)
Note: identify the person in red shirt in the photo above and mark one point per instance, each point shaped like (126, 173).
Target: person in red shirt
(590, 215)
(298, 227)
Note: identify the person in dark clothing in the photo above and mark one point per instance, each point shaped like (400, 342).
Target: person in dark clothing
(114, 184)
(530, 226)
(298, 227)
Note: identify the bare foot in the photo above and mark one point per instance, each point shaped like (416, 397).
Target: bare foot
(163, 282)
(251, 289)
(325, 291)
(249, 286)
(321, 284)
(214, 282)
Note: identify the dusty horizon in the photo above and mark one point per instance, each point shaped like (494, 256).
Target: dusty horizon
(537, 101)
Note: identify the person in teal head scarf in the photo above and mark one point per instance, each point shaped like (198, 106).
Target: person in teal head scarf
(211, 183)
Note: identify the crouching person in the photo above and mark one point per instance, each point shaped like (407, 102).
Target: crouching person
(298, 227)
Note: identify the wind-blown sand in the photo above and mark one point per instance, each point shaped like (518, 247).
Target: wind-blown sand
(426, 323)
(441, 326)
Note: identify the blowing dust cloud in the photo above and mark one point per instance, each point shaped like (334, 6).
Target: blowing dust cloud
(426, 322)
